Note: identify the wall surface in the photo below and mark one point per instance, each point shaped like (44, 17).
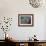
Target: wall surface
(11, 8)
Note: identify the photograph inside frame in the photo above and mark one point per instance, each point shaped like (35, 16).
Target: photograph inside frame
(25, 19)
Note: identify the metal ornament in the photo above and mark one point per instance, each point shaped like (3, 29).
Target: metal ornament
(36, 3)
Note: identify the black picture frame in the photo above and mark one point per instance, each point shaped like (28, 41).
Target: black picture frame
(25, 20)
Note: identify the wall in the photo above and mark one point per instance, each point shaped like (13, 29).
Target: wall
(11, 8)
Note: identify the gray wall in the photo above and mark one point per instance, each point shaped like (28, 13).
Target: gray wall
(11, 8)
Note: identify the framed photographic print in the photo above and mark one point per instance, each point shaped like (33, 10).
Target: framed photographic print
(25, 20)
